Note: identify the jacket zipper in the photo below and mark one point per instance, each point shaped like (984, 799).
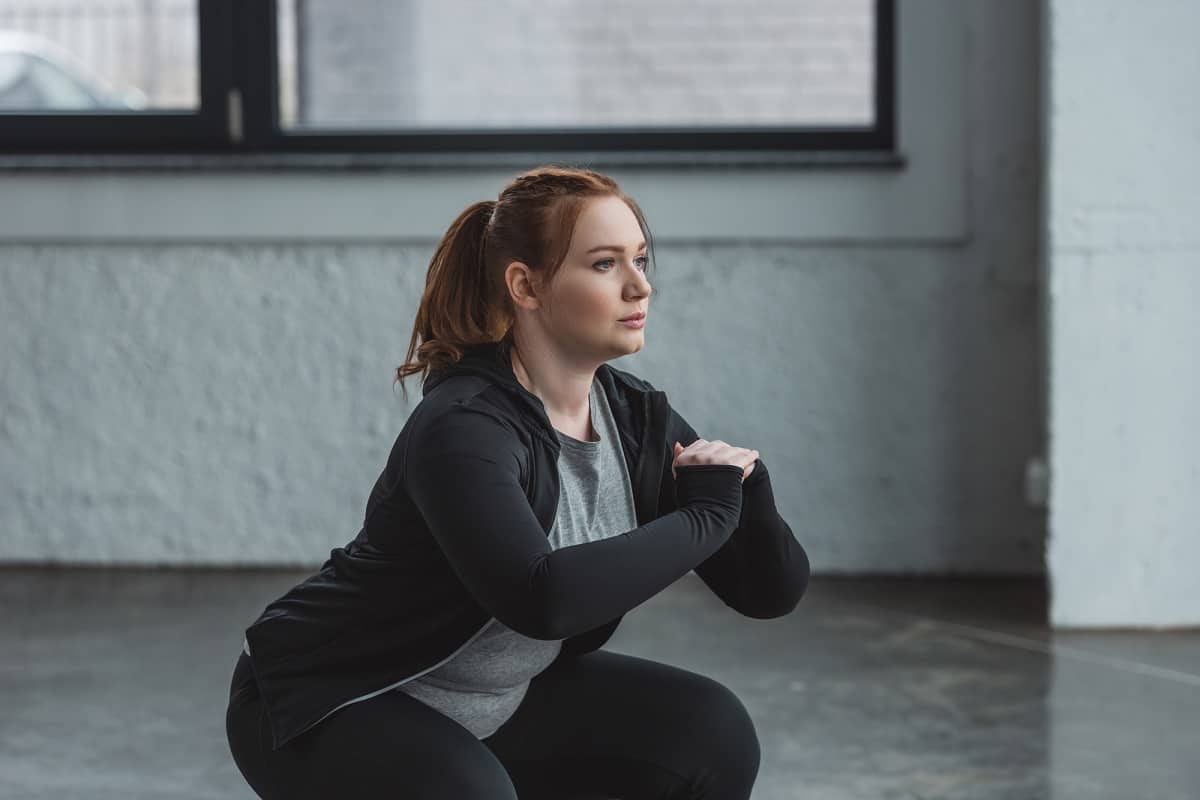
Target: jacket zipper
(648, 466)
(391, 686)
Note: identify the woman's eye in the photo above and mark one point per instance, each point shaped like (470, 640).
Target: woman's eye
(645, 261)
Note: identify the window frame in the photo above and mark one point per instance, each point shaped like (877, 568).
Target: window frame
(239, 113)
(154, 131)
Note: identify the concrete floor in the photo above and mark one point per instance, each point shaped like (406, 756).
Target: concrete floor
(113, 685)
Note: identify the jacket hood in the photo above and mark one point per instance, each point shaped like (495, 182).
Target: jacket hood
(489, 360)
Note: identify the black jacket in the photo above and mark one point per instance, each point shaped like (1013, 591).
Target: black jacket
(456, 533)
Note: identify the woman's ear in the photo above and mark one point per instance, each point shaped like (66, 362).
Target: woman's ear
(521, 284)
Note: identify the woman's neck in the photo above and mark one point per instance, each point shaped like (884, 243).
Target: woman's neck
(564, 393)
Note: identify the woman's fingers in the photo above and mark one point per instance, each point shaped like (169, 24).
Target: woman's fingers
(750, 466)
(716, 451)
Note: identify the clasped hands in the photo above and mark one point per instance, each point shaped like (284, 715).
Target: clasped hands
(703, 451)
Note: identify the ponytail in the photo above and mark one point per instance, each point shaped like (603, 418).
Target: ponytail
(456, 309)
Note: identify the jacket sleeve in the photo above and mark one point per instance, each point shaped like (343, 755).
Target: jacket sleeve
(761, 571)
(463, 471)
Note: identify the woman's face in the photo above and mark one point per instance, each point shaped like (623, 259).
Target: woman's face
(601, 281)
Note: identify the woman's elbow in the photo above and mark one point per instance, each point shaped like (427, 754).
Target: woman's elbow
(787, 597)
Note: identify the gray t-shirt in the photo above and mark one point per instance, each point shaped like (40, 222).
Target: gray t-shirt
(482, 683)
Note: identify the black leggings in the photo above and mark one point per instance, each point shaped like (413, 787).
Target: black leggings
(600, 725)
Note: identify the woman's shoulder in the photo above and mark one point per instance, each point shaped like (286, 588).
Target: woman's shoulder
(464, 412)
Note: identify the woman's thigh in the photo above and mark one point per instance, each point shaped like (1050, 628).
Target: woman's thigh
(390, 746)
(609, 724)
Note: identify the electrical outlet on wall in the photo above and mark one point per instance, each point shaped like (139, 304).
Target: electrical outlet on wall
(1037, 482)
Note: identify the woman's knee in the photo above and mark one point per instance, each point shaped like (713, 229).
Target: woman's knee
(482, 778)
(728, 745)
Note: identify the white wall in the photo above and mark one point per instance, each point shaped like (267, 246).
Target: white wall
(197, 364)
(1123, 259)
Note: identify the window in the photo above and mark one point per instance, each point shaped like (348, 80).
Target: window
(113, 76)
(712, 77)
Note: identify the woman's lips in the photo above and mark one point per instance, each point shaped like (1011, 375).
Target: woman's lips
(640, 322)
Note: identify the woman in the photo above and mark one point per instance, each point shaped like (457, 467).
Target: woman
(451, 650)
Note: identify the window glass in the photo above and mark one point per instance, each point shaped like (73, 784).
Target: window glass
(576, 63)
(120, 55)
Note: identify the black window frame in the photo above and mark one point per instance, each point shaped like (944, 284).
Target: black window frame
(188, 130)
(239, 113)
